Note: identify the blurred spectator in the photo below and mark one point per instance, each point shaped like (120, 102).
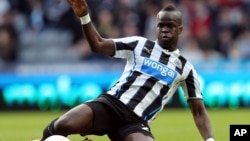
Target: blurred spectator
(225, 42)
(58, 15)
(86, 53)
(242, 44)
(105, 22)
(130, 29)
(201, 20)
(54, 10)
(4, 7)
(234, 52)
(36, 15)
(213, 9)
(115, 32)
(205, 39)
(192, 51)
(232, 18)
(152, 8)
(8, 44)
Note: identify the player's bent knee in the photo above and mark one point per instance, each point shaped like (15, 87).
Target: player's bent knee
(77, 120)
(63, 125)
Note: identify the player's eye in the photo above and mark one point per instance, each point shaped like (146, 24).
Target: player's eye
(160, 25)
(170, 25)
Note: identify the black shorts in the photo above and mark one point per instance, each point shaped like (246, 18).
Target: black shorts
(113, 118)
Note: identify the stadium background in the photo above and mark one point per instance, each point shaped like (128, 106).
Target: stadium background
(46, 64)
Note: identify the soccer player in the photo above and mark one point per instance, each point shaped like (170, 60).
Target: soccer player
(153, 72)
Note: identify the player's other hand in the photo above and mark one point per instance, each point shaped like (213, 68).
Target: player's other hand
(80, 7)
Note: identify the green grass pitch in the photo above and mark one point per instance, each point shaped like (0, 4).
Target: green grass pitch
(170, 125)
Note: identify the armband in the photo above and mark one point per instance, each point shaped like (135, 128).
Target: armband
(85, 19)
(210, 139)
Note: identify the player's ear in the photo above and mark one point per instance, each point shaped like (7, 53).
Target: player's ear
(180, 29)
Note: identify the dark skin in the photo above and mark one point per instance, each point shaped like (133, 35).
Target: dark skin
(168, 29)
(79, 119)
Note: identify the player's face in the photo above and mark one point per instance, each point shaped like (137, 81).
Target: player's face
(168, 28)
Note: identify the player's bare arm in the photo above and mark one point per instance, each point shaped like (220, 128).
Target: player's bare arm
(201, 118)
(96, 42)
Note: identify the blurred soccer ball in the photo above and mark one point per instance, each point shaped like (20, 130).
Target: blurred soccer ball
(57, 138)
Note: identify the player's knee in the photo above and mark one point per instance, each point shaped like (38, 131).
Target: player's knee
(68, 125)
(64, 125)
(74, 122)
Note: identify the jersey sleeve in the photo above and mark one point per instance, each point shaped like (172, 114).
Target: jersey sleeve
(191, 86)
(124, 47)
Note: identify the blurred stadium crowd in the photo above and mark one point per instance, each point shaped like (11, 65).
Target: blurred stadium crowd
(48, 30)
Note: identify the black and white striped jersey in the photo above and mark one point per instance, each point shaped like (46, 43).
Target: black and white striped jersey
(151, 76)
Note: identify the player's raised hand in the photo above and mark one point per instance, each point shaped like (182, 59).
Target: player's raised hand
(80, 7)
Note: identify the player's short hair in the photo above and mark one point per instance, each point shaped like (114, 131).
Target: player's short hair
(169, 7)
(172, 8)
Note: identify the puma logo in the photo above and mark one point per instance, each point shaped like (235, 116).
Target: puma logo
(148, 50)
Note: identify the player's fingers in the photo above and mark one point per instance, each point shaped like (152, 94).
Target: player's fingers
(79, 7)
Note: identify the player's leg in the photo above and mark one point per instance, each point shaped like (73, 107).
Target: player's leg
(138, 137)
(76, 121)
(132, 132)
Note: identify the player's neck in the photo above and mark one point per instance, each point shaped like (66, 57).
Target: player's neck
(170, 47)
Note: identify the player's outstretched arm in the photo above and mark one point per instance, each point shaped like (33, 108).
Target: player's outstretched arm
(96, 42)
(201, 119)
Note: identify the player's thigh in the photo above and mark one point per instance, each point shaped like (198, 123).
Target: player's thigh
(138, 137)
(76, 120)
(132, 132)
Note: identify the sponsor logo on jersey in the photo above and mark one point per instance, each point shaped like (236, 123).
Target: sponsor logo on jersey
(158, 70)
